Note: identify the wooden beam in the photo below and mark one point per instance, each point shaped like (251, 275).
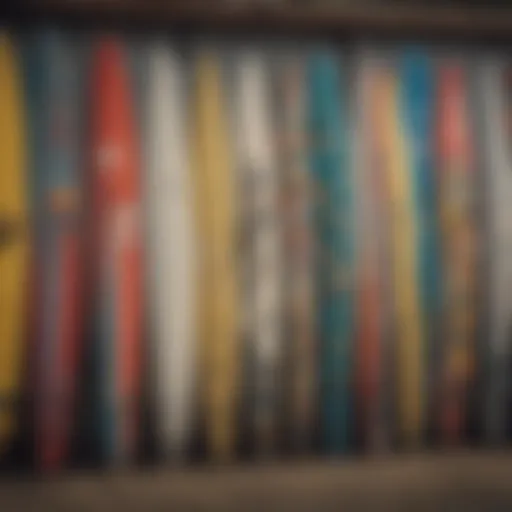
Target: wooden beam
(428, 482)
(229, 17)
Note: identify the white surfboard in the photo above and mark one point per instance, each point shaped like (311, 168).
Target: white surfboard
(171, 255)
(257, 172)
(498, 168)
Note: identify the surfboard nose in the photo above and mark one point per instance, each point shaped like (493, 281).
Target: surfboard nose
(109, 47)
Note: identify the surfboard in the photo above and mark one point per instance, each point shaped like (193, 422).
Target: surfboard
(116, 210)
(458, 250)
(405, 289)
(417, 107)
(59, 237)
(370, 319)
(35, 104)
(327, 116)
(14, 240)
(258, 174)
(376, 345)
(171, 256)
(498, 189)
(299, 354)
(214, 185)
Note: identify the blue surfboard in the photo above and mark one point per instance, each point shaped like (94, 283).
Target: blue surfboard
(417, 84)
(329, 164)
(54, 108)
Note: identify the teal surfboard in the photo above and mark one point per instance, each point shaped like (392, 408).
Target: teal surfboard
(330, 167)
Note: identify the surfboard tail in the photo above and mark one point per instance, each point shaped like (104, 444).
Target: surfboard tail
(58, 378)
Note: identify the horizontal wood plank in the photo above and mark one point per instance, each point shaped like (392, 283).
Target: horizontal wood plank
(468, 481)
(359, 18)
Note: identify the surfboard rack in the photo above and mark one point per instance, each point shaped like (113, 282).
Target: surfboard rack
(390, 21)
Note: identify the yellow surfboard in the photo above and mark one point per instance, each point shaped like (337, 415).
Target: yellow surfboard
(214, 185)
(409, 343)
(13, 239)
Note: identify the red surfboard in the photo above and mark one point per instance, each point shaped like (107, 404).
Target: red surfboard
(117, 235)
(455, 179)
(369, 323)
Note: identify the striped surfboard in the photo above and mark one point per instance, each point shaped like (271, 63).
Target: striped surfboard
(379, 427)
(116, 205)
(405, 289)
(262, 277)
(59, 238)
(417, 107)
